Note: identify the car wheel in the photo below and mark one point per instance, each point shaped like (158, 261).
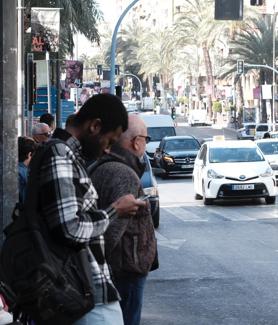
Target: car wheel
(198, 196)
(270, 199)
(156, 218)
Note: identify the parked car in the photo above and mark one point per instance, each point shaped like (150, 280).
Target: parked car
(197, 117)
(149, 184)
(247, 132)
(269, 147)
(176, 154)
(232, 170)
(158, 126)
(261, 129)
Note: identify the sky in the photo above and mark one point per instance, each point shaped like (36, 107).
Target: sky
(107, 7)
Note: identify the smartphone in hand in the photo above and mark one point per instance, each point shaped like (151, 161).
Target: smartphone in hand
(144, 197)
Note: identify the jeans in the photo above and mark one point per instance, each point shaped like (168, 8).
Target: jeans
(131, 291)
(104, 314)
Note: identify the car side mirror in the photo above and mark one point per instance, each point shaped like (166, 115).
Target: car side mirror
(157, 150)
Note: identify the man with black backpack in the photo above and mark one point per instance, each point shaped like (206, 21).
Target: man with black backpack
(70, 206)
(67, 211)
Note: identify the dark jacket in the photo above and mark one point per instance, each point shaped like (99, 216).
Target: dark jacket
(130, 242)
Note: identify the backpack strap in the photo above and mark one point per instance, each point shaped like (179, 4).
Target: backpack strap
(31, 203)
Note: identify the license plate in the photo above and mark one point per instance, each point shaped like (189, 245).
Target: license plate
(187, 166)
(240, 187)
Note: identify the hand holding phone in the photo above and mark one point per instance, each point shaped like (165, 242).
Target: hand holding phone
(144, 197)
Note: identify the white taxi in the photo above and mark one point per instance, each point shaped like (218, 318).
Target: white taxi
(232, 170)
(269, 148)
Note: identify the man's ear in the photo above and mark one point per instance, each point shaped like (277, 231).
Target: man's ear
(135, 144)
(95, 126)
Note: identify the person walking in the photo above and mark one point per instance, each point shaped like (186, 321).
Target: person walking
(130, 243)
(69, 201)
(41, 132)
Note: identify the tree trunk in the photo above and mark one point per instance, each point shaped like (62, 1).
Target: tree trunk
(210, 77)
(239, 100)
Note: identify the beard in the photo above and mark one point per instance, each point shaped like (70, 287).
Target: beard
(91, 146)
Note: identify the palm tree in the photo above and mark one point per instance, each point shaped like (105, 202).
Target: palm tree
(254, 45)
(196, 26)
(188, 31)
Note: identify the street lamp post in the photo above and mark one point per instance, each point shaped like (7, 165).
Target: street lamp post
(113, 46)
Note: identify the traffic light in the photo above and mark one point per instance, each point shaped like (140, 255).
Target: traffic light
(117, 69)
(99, 69)
(256, 2)
(228, 10)
(240, 66)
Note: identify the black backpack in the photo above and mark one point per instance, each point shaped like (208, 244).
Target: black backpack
(49, 282)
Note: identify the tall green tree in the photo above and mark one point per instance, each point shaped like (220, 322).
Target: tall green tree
(195, 14)
(254, 44)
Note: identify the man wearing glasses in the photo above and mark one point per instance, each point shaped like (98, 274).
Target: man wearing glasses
(41, 132)
(130, 242)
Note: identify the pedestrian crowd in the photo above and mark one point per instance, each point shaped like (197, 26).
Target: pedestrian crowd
(90, 193)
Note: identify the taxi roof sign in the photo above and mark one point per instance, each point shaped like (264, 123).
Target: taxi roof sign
(218, 138)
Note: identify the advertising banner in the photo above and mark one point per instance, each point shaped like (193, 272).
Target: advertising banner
(257, 92)
(74, 74)
(45, 29)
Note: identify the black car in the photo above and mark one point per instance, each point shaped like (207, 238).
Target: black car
(149, 184)
(176, 155)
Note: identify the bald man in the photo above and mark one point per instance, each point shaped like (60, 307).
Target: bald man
(130, 242)
(41, 132)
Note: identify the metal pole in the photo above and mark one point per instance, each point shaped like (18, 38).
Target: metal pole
(30, 92)
(58, 97)
(20, 66)
(273, 73)
(48, 82)
(264, 66)
(76, 58)
(114, 44)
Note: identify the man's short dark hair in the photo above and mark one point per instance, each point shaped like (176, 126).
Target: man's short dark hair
(47, 118)
(25, 145)
(108, 108)
(70, 121)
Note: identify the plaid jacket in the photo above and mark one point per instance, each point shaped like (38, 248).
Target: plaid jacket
(69, 206)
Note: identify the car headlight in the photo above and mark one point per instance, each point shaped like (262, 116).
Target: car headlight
(268, 172)
(152, 191)
(212, 174)
(168, 159)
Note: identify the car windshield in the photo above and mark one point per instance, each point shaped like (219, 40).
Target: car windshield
(230, 155)
(250, 126)
(157, 133)
(262, 128)
(269, 148)
(181, 144)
